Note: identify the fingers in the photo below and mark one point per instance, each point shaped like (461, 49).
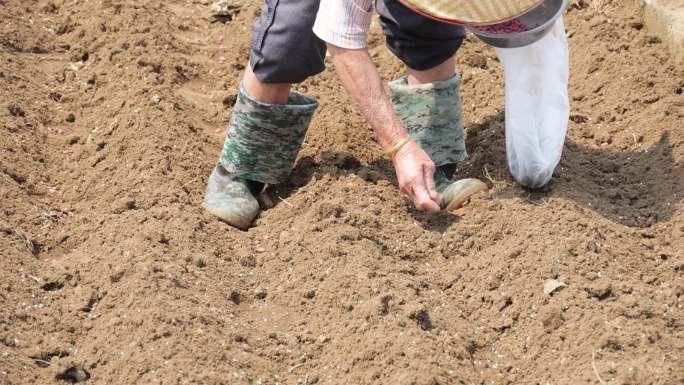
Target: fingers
(418, 195)
(421, 198)
(415, 173)
(429, 175)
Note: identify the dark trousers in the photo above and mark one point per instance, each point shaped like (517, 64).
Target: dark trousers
(284, 48)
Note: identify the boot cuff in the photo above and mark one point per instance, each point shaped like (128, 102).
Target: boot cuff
(401, 85)
(297, 103)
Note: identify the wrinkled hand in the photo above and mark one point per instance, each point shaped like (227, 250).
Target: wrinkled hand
(415, 173)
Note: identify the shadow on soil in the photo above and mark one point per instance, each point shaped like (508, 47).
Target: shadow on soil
(634, 188)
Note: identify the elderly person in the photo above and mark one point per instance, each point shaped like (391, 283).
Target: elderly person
(419, 124)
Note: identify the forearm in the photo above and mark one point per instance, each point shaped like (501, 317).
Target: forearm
(360, 78)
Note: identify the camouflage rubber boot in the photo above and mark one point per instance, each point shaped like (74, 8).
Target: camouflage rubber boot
(261, 146)
(432, 115)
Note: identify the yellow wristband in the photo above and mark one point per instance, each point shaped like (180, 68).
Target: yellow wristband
(393, 149)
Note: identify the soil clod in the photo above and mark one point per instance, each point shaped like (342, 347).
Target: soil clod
(235, 297)
(422, 318)
(74, 374)
(399, 296)
(600, 290)
(260, 293)
(15, 110)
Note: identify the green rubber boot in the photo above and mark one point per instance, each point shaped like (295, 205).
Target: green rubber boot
(455, 193)
(261, 146)
(432, 115)
(232, 199)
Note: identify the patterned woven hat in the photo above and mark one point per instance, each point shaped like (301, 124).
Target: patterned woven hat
(471, 11)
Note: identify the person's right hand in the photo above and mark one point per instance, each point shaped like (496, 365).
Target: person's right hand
(415, 173)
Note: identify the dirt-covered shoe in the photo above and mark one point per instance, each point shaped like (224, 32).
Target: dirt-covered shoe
(232, 199)
(455, 193)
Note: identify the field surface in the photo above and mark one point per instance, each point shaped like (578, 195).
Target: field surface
(113, 112)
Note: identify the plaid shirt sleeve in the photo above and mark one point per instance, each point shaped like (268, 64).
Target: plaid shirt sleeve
(344, 23)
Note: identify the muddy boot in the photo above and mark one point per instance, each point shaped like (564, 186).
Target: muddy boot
(231, 198)
(261, 146)
(431, 113)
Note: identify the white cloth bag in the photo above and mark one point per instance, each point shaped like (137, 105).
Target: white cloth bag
(537, 106)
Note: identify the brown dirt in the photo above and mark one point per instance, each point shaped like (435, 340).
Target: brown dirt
(113, 113)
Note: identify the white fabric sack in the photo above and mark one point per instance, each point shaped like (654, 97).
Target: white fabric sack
(537, 106)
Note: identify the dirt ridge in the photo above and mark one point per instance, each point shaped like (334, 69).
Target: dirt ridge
(114, 112)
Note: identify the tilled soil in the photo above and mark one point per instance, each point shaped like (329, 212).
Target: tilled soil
(113, 113)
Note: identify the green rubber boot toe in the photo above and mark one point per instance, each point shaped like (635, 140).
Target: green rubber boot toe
(460, 191)
(455, 193)
(232, 199)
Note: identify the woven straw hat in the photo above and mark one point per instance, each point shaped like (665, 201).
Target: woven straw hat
(471, 11)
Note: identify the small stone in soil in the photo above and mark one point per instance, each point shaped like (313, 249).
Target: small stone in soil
(235, 297)
(260, 293)
(553, 285)
(222, 8)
